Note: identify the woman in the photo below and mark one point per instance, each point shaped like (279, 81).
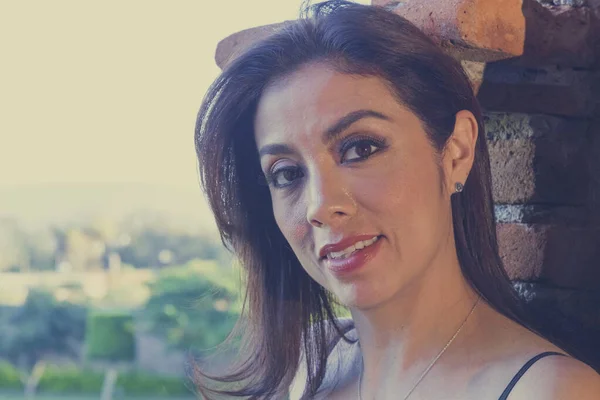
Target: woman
(377, 196)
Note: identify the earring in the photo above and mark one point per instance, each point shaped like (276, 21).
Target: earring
(458, 187)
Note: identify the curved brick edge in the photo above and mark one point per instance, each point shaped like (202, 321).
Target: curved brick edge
(541, 159)
(460, 26)
(484, 30)
(228, 48)
(479, 30)
(537, 32)
(553, 253)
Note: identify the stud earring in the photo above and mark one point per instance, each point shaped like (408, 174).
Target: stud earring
(458, 187)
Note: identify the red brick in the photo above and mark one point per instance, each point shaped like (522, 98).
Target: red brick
(566, 256)
(475, 71)
(564, 35)
(540, 159)
(521, 249)
(232, 45)
(463, 26)
(479, 30)
(488, 30)
(485, 30)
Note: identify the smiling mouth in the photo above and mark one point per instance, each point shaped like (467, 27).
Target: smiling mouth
(350, 250)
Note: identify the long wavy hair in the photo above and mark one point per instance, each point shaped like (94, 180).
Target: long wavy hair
(286, 313)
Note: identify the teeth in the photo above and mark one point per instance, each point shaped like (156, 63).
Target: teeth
(351, 249)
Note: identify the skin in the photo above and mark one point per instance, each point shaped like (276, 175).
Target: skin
(379, 175)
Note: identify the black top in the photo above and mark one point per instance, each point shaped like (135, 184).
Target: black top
(524, 369)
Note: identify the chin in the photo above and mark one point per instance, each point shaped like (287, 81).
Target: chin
(361, 301)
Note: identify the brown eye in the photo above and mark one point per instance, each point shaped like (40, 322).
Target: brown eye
(360, 150)
(285, 176)
(363, 149)
(290, 174)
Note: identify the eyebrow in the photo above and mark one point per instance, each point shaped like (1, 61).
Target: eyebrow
(346, 121)
(274, 149)
(330, 134)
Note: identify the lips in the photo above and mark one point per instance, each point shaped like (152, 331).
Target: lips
(344, 244)
(350, 253)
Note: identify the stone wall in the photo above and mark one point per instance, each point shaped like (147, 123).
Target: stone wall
(536, 68)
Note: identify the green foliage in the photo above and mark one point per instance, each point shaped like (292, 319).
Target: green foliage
(13, 246)
(110, 336)
(24, 250)
(73, 380)
(42, 326)
(86, 245)
(140, 383)
(10, 377)
(42, 246)
(193, 307)
(70, 380)
(147, 245)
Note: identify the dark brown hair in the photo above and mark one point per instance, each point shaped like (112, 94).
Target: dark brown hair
(286, 312)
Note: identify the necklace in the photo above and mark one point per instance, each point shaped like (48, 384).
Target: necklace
(432, 362)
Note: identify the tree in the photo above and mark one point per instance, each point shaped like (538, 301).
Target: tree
(193, 307)
(110, 338)
(42, 327)
(148, 246)
(42, 247)
(83, 249)
(13, 246)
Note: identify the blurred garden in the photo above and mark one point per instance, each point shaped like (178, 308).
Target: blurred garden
(112, 310)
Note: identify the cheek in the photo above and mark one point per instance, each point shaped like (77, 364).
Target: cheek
(406, 198)
(291, 223)
(386, 189)
(291, 220)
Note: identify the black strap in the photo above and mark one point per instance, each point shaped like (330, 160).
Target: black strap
(524, 369)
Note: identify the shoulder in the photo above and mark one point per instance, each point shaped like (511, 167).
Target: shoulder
(558, 377)
(340, 361)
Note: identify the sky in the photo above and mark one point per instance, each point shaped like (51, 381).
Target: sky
(105, 92)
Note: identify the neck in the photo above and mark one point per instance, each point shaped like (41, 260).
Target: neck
(403, 335)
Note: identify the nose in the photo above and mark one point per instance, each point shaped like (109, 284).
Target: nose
(329, 200)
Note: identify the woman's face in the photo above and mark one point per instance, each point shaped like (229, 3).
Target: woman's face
(357, 189)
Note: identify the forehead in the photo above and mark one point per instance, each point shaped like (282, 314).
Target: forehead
(310, 99)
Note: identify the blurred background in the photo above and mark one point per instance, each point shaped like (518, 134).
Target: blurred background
(111, 269)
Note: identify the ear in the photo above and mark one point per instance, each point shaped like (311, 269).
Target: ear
(459, 151)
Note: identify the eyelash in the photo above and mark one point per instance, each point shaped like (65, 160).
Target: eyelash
(345, 146)
(273, 175)
(353, 141)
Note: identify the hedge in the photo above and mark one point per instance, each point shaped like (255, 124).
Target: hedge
(74, 380)
(137, 383)
(70, 380)
(9, 377)
(110, 336)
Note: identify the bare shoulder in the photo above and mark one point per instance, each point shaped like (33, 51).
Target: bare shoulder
(558, 378)
(553, 377)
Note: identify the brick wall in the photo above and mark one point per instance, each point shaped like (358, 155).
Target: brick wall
(535, 65)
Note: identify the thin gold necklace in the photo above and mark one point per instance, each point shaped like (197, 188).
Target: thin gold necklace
(430, 365)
